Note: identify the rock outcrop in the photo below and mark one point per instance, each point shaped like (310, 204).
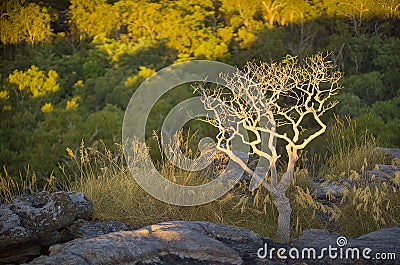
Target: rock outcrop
(328, 188)
(384, 245)
(31, 222)
(323, 188)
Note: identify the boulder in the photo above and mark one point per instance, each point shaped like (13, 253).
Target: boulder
(385, 172)
(383, 240)
(328, 189)
(83, 228)
(174, 242)
(30, 222)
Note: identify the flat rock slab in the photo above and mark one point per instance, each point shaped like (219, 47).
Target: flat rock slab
(329, 189)
(165, 243)
(181, 242)
(394, 152)
(386, 240)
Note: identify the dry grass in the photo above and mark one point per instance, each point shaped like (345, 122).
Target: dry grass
(23, 184)
(351, 150)
(103, 177)
(369, 206)
(115, 194)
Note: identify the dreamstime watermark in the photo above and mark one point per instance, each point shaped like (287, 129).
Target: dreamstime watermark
(134, 124)
(338, 251)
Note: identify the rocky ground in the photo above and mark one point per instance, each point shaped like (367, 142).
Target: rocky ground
(327, 188)
(208, 243)
(30, 224)
(55, 228)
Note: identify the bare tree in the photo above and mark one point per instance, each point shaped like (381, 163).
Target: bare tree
(273, 99)
(272, 10)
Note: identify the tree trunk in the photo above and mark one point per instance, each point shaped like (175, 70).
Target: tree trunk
(281, 201)
(282, 204)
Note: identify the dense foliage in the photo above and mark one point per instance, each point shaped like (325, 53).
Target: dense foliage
(68, 68)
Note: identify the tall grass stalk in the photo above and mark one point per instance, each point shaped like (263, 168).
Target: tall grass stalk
(23, 184)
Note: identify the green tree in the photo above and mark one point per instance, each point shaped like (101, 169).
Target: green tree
(350, 104)
(388, 110)
(388, 60)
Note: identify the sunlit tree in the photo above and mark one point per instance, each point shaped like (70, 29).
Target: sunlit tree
(269, 98)
(94, 17)
(34, 22)
(271, 11)
(141, 19)
(24, 23)
(34, 81)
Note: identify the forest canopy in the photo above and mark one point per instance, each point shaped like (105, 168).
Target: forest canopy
(69, 68)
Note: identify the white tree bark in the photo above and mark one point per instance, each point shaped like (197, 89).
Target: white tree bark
(282, 204)
(264, 94)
